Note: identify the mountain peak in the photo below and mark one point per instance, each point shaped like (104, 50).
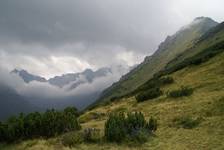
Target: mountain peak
(200, 24)
(28, 77)
(202, 18)
(88, 71)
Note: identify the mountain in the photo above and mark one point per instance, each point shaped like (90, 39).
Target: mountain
(75, 89)
(71, 79)
(173, 46)
(11, 103)
(28, 77)
(78, 78)
(186, 120)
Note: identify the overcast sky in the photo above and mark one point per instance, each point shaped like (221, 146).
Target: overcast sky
(52, 37)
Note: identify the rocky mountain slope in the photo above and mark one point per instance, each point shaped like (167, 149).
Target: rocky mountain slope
(173, 46)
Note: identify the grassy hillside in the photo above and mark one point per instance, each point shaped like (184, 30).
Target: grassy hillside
(173, 46)
(210, 38)
(204, 109)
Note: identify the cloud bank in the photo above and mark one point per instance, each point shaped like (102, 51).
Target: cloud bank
(52, 37)
(44, 95)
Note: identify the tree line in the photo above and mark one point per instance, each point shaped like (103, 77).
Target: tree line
(33, 125)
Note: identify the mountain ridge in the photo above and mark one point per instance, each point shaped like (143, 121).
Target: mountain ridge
(172, 46)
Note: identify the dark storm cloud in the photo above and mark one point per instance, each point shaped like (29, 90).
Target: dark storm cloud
(56, 22)
(38, 34)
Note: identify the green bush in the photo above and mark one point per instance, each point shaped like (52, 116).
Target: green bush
(89, 135)
(149, 94)
(133, 127)
(152, 124)
(92, 135)
(71, 139)
(154, 83)
(186, 122)
(183, 91)
(138, 137)
(135, 121)
(115, 130)
(166, 80)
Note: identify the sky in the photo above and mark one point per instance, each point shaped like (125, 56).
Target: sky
(53, 37)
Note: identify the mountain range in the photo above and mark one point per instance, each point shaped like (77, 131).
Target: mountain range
(76, 89)
(71, 79)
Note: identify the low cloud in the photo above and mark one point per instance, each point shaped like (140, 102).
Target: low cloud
(43, 94)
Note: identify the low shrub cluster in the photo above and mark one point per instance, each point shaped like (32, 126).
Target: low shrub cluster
(88, 135)
(91, 135)
(154, 83)
(183, 91)
(197, 59)
(72, 138)
(37, 124)
(149, 94)
(151, 86)
(186, 122)
(166, 80)
(133, 127)
(151, 89)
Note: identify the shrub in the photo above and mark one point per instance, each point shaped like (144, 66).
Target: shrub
(115, 128)
(133, 127)
(72, 139)
(166, 80)
(152, 124)
(91, 135)
(149, 94)
(183, 91)
(135, 121)
(186, 122)
(138, 137)
(155, 82)
(47, 124)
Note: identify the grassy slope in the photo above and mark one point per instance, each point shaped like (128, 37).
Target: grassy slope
(207, 41)
(207, 102)
(168, 50)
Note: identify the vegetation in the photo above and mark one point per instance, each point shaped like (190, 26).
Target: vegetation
(134, 127)
(186, 122)
(149, 94)
(149, 89)
(183, 91)
(206, 103)
(72, 138)
(154, 83)
(47, 124)
(88, 135)
(201, 114)
(167, 51)
(197, 59)
(91, 135)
